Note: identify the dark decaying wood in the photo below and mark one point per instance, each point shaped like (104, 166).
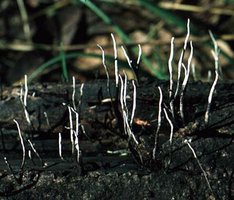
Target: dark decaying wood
(95, 107)
(103, 143)
(48, 111)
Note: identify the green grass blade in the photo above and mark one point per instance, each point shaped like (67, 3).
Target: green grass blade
(169, 17)
(63, 63)
(105, 18)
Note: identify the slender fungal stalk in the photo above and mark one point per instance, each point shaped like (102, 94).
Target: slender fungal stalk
(76, 134)
(170, 67)
(133, 102)
(73, 92)
(171, 125)
(24, 100)
(171, 77)
(159, 122)
(106, 69)
(184, 84)
(116, 60)
(199, 163)
(216, 54)
(125, 92)
(181, 59)
(139, 55)
(71, 128)
(126, 56)
(47, 119)
(22, 144)
(81, 97)
(194, 72)
(35, 151)
(60, 146)
(10, 169)
(210, 97)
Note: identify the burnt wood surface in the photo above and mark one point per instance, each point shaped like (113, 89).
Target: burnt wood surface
(104, 145)
(53, 99)
(48, 112)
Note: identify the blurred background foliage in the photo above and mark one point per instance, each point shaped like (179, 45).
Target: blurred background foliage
(52, 40)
